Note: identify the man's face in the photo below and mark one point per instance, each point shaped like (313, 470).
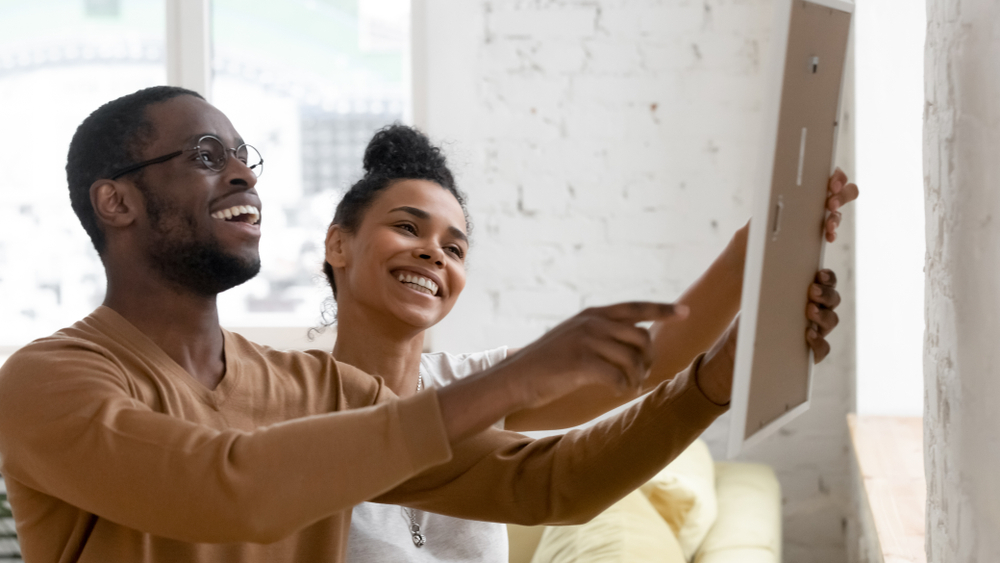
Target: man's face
(183, 241)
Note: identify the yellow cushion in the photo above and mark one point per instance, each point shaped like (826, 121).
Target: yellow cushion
(629, 531)
(522, 541)
(748, 528)
(684, 496)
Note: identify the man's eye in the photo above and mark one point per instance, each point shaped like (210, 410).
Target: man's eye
(206, 157)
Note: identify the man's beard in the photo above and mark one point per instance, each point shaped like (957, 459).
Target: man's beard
(199, 266)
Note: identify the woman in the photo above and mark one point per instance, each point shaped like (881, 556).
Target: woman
(395, 259)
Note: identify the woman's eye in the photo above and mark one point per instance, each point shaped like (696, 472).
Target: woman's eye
(407, 227)
(456, 251)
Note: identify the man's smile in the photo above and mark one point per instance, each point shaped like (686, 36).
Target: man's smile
(239, 213)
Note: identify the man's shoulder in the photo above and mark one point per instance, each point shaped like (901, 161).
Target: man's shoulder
(58, 349)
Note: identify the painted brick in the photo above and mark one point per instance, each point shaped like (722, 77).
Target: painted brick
(509, 21)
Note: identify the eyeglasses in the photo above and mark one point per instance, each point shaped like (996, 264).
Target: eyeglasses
(212, 153)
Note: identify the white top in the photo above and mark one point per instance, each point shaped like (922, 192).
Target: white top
(381, 532)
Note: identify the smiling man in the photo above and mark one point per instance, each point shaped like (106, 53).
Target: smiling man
(146, 432)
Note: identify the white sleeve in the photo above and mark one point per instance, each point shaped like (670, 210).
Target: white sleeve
(441, 368)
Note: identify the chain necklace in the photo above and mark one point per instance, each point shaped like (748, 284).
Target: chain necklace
(418, 537)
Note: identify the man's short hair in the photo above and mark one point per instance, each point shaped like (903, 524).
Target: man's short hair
(110, 139)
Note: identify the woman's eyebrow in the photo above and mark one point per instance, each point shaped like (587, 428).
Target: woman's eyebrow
(421, 214)
(457, 233)
(418, 213)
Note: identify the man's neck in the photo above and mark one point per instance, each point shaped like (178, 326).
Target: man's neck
(183, 325)
(364, 342)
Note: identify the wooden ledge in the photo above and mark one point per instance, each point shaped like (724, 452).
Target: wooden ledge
(890, 454)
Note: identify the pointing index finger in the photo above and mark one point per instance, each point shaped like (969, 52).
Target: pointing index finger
(639, 311)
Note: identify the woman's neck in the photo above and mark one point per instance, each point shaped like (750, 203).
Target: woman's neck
(363, 342)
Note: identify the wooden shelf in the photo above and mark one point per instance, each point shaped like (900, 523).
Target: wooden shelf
(890, 455)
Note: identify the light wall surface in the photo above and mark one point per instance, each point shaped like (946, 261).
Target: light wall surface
(961, 356)
(607, 148)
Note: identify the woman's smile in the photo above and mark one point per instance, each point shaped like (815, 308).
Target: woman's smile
(421, 283)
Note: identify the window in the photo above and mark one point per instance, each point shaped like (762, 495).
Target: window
(59, 61)
(306, 81)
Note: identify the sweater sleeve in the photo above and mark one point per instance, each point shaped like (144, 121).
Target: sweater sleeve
(506, 477)
(69, 428)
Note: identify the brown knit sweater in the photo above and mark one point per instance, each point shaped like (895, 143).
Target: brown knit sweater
(112, 452)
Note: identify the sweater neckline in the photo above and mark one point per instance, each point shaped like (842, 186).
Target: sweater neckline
(120, 329)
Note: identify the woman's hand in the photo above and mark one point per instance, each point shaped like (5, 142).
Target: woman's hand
(823, 299)
(715, 375)
(839, 192)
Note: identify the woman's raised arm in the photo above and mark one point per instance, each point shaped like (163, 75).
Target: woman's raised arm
(714, 301)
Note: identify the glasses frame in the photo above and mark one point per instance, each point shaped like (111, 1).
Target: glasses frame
(206, 163)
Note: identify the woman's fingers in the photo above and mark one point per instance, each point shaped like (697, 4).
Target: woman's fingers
(819, 345)
(823, 319)
(841, 192)
(823, 299)
(824, 295)
(832, 222)
(826, 277)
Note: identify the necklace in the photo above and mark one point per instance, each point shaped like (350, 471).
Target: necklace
(415, 534)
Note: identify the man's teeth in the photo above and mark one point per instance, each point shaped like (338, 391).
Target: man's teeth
(420, 282)
(236, 211)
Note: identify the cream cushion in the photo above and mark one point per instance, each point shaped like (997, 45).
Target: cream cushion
(684, 495)
(748, 529)
(629, 531)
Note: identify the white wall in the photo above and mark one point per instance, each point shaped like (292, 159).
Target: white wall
(962, 358)
(606, 147)
(890, 259)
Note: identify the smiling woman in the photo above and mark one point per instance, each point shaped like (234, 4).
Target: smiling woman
(395, 260)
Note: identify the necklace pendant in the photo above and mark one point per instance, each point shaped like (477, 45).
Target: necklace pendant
(418, 538)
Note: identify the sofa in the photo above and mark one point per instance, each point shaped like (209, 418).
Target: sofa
(696, 511)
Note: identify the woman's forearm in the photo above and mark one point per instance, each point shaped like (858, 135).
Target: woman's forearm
(714, 301)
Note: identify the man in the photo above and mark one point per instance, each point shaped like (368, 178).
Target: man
(147, 433)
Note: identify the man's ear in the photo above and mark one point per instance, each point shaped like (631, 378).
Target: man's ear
(335, 247)
(115, 203)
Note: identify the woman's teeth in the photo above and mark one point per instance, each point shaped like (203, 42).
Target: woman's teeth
(419, 283)
(245, 213)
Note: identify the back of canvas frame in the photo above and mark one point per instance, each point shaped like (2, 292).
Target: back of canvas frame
(773, 375)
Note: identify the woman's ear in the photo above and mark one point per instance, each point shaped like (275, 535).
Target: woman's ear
(335, 254)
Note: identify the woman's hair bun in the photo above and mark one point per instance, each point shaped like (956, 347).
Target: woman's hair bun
(399, 151)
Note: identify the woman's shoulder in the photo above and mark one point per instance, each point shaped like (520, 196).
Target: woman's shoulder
(442, 368)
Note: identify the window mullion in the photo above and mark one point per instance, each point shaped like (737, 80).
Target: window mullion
(189, 45)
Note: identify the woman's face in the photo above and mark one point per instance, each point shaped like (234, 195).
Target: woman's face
(407, 258)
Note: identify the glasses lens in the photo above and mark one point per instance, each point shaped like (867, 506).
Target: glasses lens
(249, 156)
(212, 153)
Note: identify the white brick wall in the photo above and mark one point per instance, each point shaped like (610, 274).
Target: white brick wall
(606, 147)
